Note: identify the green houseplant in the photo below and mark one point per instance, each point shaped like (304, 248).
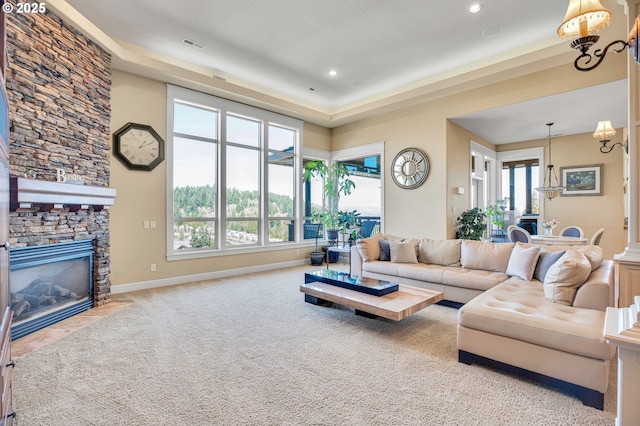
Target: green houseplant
(496, 213)
(336, 178)
(349, 223)
(472, 224)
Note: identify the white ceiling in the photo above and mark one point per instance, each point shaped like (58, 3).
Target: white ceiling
(572, 112)
(376, 46)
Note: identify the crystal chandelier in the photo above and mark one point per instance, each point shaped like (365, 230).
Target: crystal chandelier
(550, 191)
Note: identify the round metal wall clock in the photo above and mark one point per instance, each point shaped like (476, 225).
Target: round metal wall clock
(410, 168)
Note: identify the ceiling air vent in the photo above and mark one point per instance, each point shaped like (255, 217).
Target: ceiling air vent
(193, 43)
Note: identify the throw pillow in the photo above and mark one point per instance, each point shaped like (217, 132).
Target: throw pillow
(522, 261)
(385, 250)
(403, 251)
(593, 253)
(485, 255)
(439, 252)
(565, 276)
(369, 248)
(544, 263)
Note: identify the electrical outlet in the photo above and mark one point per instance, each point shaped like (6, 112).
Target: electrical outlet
(153, 267)
(146, 224)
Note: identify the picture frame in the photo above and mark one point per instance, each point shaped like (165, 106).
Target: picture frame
(581, 180)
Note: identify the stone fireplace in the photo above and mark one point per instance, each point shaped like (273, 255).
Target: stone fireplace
(58, 87)
(59, 256)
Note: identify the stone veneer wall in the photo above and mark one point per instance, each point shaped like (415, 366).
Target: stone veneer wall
(58, 84)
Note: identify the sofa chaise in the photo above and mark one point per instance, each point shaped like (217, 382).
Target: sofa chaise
(535, 310)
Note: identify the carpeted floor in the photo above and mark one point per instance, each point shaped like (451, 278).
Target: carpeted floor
(247, 350)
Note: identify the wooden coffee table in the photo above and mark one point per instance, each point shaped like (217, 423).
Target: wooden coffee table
(395, 306)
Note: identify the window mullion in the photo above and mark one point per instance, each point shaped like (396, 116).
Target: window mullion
(221, 226)
(264, 179)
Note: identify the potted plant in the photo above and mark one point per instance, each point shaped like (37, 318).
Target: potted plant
(472, 225)
(336, 182)
(349, 224)
(317, 256)
(496, 213)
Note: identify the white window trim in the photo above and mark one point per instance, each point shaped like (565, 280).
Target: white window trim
(375, 148)
(494, 179)
(525, 154)
(175, 92)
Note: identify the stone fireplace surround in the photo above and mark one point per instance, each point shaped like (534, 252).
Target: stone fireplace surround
(43, 212)
(58, 85)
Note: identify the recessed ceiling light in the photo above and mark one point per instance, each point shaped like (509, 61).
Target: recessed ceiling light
(475, 8)
(492, 31)
(333, 73)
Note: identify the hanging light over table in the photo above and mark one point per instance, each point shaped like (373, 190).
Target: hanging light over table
(550, 191)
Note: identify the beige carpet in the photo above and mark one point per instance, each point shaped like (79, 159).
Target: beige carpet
(248, 351)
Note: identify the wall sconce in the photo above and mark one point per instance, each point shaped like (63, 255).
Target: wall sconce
(583, 19)
(603, 133)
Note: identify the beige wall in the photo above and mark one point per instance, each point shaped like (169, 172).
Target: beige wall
(458, 166)
(406, 212)
(428, 211)
(142, 196)
(588, 212)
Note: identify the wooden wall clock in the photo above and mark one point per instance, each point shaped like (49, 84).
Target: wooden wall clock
(138, 146)
(410, 168)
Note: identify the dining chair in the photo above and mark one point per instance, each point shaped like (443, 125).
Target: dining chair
(572, 231)
(595, 240)
(516, 233)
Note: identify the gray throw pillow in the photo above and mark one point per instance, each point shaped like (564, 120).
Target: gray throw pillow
(385, 250)
(544, 263)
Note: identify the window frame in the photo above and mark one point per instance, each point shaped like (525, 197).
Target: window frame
(485, 158)
(371, 149)
(266, 118)
(520, 155)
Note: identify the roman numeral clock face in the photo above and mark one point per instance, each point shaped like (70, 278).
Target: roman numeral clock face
(138, 147)
(410, 168)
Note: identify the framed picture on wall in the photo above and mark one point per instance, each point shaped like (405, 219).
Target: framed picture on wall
(581, 180)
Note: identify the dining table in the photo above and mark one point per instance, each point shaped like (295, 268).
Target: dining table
(558, 240)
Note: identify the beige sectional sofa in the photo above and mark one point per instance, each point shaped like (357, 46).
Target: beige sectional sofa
(536, 310)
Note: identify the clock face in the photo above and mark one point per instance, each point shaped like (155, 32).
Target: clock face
(410, 168)
(138, 146)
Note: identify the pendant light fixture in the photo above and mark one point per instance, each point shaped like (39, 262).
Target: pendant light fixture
(550, 191)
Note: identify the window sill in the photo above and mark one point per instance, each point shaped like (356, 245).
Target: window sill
(243, 250)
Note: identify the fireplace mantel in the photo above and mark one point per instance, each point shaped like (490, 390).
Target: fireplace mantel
(27, 192)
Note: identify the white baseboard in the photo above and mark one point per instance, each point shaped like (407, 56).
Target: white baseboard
(165, 282)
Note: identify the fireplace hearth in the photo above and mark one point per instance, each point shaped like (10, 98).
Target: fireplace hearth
(49, 283)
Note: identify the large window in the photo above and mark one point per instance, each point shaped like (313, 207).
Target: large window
(233, 174)
(519, 180)
(314, 202)
(366, 197)
(519, 175)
